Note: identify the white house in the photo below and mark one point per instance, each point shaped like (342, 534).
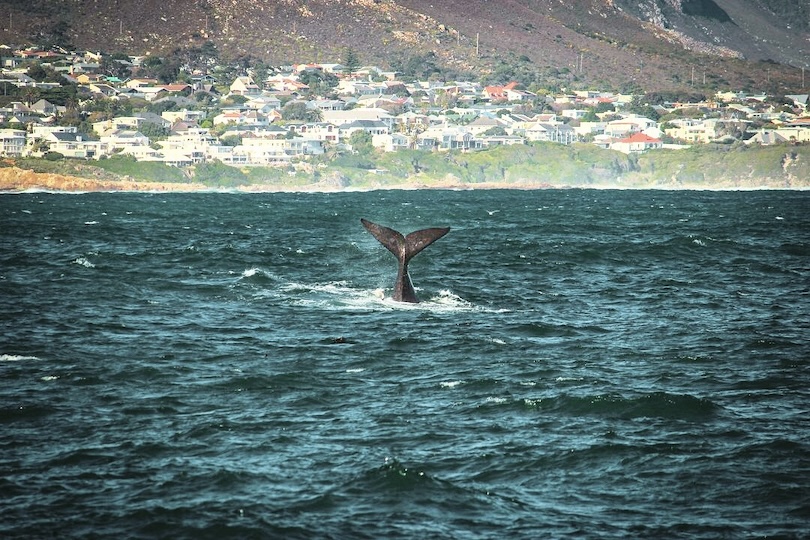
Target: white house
(629, 125)
(391, 142)
(122, 140)
(264, 104)
(192, 143)
(574, 113)
(559, 133)
(241, 116)
(12, 142)
(374, 127)
(636, 144)
(244, 86)
(485, 123)
(184, 116)
(322, 131)
(259, 151)
(339, 118)
(74, 145)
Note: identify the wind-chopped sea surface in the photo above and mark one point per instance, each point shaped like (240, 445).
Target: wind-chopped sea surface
(584, 364)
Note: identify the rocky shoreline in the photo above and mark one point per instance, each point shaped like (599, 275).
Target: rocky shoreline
(16, 180)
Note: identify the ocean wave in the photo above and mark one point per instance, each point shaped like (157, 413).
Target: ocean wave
(257, 275)
(16, 358)
(652, 405)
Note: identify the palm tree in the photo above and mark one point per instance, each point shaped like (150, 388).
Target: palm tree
(30, 94)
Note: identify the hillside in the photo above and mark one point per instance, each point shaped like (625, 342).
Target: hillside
(758, 45)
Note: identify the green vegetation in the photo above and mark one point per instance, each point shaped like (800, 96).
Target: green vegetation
(217, 174)
(581, 165)
(724, 166)
(536, 165)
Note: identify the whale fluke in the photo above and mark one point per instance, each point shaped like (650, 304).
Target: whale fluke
(404, 249)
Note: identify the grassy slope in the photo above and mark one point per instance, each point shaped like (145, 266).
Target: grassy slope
(734, 166)
(535, 165)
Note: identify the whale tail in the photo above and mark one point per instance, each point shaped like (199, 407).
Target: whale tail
(404, 249)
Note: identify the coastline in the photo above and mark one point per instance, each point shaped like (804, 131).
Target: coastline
(15, 180)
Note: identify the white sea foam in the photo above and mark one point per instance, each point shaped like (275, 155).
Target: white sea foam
(91, 222)
(81, 261)
(50, 378)
(450, 384)
(446, 297)
(341, 295)
(16, 358)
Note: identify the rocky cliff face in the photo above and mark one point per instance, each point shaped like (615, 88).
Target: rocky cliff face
(742, 29)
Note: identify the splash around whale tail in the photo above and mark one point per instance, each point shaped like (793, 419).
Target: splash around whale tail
(404, 249)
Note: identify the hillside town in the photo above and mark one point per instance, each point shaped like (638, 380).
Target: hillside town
(285, 115)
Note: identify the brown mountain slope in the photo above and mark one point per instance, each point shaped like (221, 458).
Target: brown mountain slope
(653, 44)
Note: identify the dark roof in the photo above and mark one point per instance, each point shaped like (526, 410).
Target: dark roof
(67, 137)
(364, 124)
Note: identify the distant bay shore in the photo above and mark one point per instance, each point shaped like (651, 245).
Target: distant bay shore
(15, 180)
(538, 166)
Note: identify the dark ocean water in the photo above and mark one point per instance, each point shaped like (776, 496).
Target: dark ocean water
(585, 364)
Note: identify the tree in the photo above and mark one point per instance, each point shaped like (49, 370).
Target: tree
(418, 66)
(154, 131)
(115, 65)
(360, 141)
(259, 73)
(37, 72)
(604, 106)
(319, 83)
(31, 95)
(298, 110)
(643, 108)
(446, 100)
(496, 131)
(350, 61)
(58, 36)
(590, 116)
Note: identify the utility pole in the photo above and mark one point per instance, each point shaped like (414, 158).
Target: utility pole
(477, 35)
